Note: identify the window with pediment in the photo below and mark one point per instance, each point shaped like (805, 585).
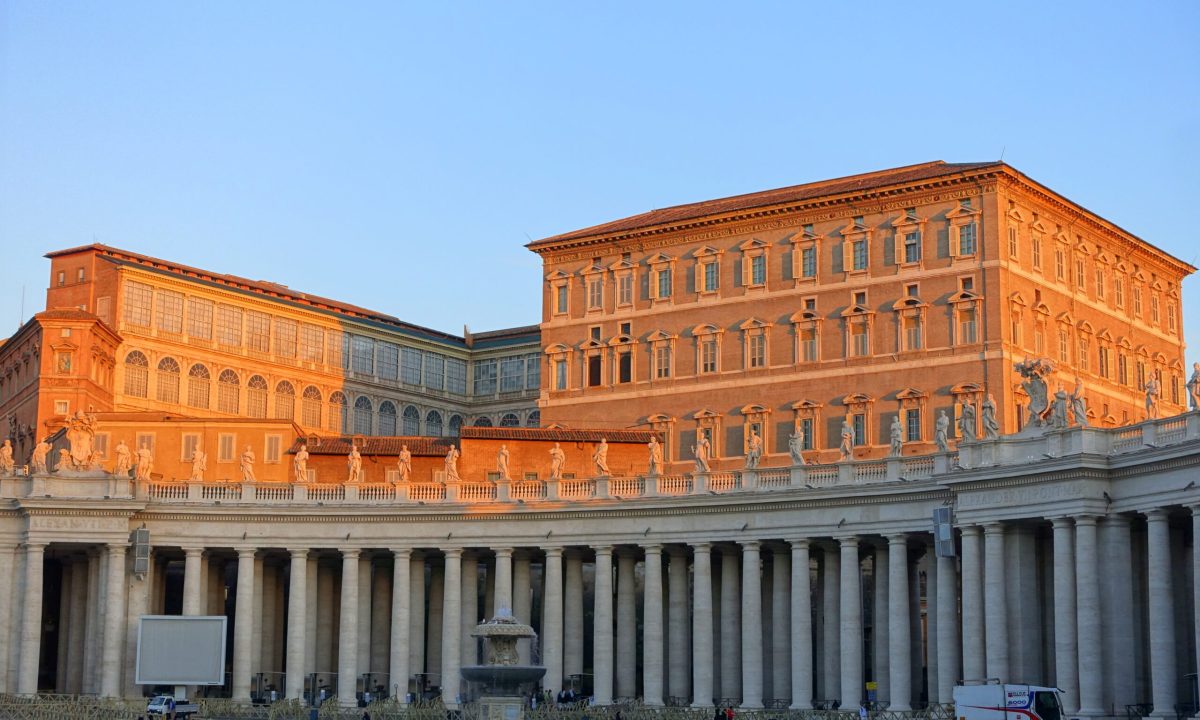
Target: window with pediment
(909, 231)
(662, 355)
(708, 270)
(559, 286)
(754, 263)
(708, 425)
(1061, 246)
(805, 253)
(755, 337)
(662, 277)
(1084, 344)
(1014, 219)
(622, 348)
(965, 394)
(755, 421)
(1176, 381)
(708, 348)
(1104, 354)
(1037, 233)
(1124, 350)
(664, 425)
(1041, 317)
(858, 319)
(1154, 315)
(912, 411)
(591, 356)
(624, 274)
(558, 357)
(860, 416)
(1016, 319)
(967, 306)
(910, 320)
(806, 326)
(593, 287)
(1101, 272)
(1141, 366)
(1172, 317)
(806, 420)
(1082, 254)
(964, 229)
(1065, 323)
(856, 246)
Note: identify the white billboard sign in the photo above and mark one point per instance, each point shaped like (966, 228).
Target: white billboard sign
(181, 650)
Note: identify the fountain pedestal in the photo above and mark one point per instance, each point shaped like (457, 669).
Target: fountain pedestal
(501, 685)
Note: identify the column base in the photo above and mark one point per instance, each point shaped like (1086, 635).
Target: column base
(750, 706)
(800, 706)
(701, 704)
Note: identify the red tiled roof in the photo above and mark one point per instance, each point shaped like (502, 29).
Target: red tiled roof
(65, 314)
(765, 198)
(418, 446)
(556, 434)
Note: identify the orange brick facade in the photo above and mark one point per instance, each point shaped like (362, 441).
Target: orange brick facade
(898, 294)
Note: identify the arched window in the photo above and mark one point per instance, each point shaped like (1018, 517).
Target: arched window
(362, 415)
(510, 420)
(412, 421)
(228, 386)
(256, 397)
(483, 421)
(455, 424)
(168, 381)
(433, 423)
(336, 419)
(310, 407)
(387, 418)
(198, 386)
(285, 400)
(137, 375)
(534, 419)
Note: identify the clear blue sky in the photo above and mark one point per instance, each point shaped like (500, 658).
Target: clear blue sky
(399, 155)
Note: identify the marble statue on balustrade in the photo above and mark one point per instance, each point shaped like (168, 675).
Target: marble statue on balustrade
(1152, 393)
(655, 461)
(300, 465)
(81, 435)
(846, 447)
(1079, 405)
(701, 452)
(967, 423)
(124, 460)
(1193, 386)
(1035, 372)
(600, 458)
(248, 465)
(452, 465)
(558, 459)
(991, 427)
(37, 461)
(1058, 411)
(199, 464)
(754, 449)
(796, 447)
(502, 456)
(145, 463)
(6, 458)
(354, 465)
(404, 464)
(897, 438)
(941, 432)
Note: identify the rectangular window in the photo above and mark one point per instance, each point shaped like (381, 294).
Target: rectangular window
(860, 345)
(1100, 284)
(229, 326)
(859, 422)
(560, 295)
(138, 300)
(1035, 245)
(808, 262)
(859, 249)
(711, 276)
(168, 315)
(144, 440)
(1154, 309)
(625, 289)
(662, 361)
(456, 375)
(758, 270)
(312, 343)
(1104, 369)
(625, 367)
(708, 355)
(595, 293)
(533, 372)
(1122, 369)
(1012, 242)
(272, 451)
(758, 351)
(1137, 301)
(1064, 345)
(62, 278)
(435, 371)
(62, 407)
(966, 239)
(806, 427)
(512, 374)
(285, 338)
(912, 333)
(1080, 281)
(200, 317)
(808, 345)
(860, 298)
(912, 425)
(362, 355)
(225, 447)
(1060, 265)
(664, 283)
(188, 445)
(593, 370)
(1084, 353)
(560, 374)
(485, 377)
(100, 445)
(258, 331)
(1171, 317)
(912, 247)
(1119, 290)
(387, 358)
(410, 368)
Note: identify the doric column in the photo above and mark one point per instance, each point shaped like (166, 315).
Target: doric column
(652, 627)
(31, 620)
(899, 664)
(731, 626)
(573, 614)
(678, 664)
(1162, 614)
(503, 593)
(702, 626)
(802, 663)
(297, 610)
(880, 649)
(1116, 600)
(602, 618)
(852, 630)
(243, 632)
(260, 634)
(6, 608)
(995, 602)
(312, 612)
(830, 654)
(398, 667)
(365, 566)
(552, 626)
(451, 627)
(114, 622)
(470, 609)
(348, 631)
(1087, 594)
(193, 595)
(931, 620)
(781, 624)
(626, 626)
(416, 617)
(972, 603)
(752, 649)
(948, 650)
(78, 622)
(1066, 659)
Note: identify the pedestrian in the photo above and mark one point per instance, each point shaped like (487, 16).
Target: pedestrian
(862, 712)
(719, 714)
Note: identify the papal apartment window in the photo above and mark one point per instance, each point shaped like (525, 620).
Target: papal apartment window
(859, 250)
(912, 247)
(1012, 242)
(596, 293)
(758, 270)
(624, 289)
(912, 425)
(967, 326)
(808, 345)
(912, 333)
(757, 351)
(860, 340)
(560, 295)
(662, 360)
(594, 363)
(966, 239)
(808, 262)
(858, 421)
(712, 274)
(662, 278)
(560, 374)
(1035, 245)
(708, 355)
(625, 366)
(806, 427)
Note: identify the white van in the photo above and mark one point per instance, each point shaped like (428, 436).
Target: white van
(993, 701)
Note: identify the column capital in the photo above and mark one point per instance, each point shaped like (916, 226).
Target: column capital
(603, 549)
(350, 553)
(993, 528)
(900, 539)
(1086, 520)
(246, 552)
(750, 545)
(970, 530)
(454, 552)
(798, 543)
(653, 549)
(298, 553)
(1061, 522)
(1156, 515)
(117, 548)
(675, 551)
(503, 552)
(554, 552)
(1117, 519)
(37, 546)
(193, 549)
(847, 541)
(701, 547)
(405, 552)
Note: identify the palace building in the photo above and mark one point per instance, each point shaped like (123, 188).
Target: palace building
(373, 489)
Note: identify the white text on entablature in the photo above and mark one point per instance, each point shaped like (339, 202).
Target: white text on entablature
(60, 522)
(1014, 497)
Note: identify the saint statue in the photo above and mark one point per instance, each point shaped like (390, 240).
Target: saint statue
(1193, 386)
(754, 450)
(1058, 411)
(941, 431)
(300, 464)
(124, 460)
(796, 447)
(600, 458)
(1079, 405)
(1034, 372)
(966, 422)
(655, 451)
(991, 428)
(502, 462)
(248, 465)
(558, 458)
(354, 465)
(404, 464)
(452, 465)
(701, 452)
(38, 460)
(846, 448)
(145, 463)
(1152, 391)
(6, 458)
(199, 464)
(897, 437)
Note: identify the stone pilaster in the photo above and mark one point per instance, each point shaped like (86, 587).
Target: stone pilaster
(348, 631)
(296, 613)
(243, 632)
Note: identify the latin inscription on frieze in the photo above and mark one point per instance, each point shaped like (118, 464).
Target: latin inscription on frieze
(1013, 497)
(60, 522)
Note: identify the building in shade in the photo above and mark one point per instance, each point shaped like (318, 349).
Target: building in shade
(895, 294)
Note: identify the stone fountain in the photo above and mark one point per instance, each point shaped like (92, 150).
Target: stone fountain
(502, 683)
